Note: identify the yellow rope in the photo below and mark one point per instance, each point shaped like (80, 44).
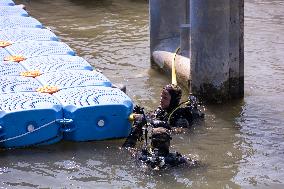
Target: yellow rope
(186, 102)
(174, 76)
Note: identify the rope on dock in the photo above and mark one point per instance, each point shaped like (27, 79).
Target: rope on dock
(29, 132)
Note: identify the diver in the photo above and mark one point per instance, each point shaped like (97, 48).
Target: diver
(171, 113)
(158, 155)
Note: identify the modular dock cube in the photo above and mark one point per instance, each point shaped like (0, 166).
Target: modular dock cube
(11, 68)
(29, 49)
(29, 119)
(7, 3)
(74, 78)
(9, 84)
(56, 63)
(18, 22)
(27, 34)
(12, 11)
(97, 112)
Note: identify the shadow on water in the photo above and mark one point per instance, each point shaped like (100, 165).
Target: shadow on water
(92, 3)
(102, 3)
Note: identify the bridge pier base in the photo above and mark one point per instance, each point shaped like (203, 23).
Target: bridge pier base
(216, 54)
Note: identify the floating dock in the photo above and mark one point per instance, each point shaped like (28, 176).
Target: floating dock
(47, 92)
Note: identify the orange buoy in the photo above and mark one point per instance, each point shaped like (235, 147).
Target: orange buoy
(17, 58)
(48, 89)
(4, 44)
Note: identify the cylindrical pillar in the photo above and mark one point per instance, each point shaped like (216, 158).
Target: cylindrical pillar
(185, 32)
(236, 48)
(184, 39)
(212, 48)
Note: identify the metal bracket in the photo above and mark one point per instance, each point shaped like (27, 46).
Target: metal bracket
(65, 125)
(64, 121)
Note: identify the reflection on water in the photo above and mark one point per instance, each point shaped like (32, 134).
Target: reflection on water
(240, 144)
(263, 113)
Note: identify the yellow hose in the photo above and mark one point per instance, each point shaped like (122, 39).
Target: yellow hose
(174, 75)
(186, 102)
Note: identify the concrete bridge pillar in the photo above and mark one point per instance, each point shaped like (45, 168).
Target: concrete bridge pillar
(216, 49)
(210, 35)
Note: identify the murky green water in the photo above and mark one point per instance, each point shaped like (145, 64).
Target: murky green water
(240, 145)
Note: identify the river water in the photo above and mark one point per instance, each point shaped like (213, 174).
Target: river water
(239, 145)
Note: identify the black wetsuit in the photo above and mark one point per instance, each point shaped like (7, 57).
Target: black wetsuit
(161, 160)
(179, 117)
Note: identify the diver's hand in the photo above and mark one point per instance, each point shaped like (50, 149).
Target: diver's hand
(138, 110)
(159, 123)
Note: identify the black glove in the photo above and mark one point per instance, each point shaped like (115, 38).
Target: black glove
(138, 110)
(159, 123)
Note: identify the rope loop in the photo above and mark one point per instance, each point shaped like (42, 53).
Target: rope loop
(29, 132)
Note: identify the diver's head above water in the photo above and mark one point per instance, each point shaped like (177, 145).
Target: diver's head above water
(160, 140)
(170, 97)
